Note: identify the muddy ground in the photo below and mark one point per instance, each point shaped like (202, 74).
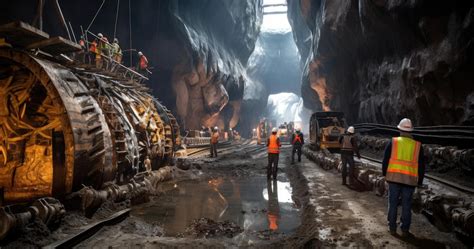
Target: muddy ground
(319, 211)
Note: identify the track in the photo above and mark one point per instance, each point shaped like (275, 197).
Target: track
(90, 230)
(431, 177)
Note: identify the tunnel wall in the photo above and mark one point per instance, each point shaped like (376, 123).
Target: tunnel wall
(379, 61)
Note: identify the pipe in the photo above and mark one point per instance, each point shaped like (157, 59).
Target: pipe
(61, 18)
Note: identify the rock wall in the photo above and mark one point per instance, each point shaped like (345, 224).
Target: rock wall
(381, 60)
(197, 50)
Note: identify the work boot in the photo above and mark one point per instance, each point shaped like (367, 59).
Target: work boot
(407, 234)
(393, 231)
(344, 181)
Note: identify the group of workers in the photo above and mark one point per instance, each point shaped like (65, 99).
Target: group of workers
(402, 166)
(103, 54)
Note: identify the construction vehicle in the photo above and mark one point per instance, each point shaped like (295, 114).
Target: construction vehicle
(285, 131)
(325, 129)
(264, 129)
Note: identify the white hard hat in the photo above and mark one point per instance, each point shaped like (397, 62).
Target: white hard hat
(274, 129)
(405, 125)
(100, 35)
(140, 53)
(350, 129)
(215, 128)
(115, 40)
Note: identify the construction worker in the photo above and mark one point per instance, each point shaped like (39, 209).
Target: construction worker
(349, 146)
(93, 51)
(142, 63)
(116, 51)
(273, 144)
(214, 141)
(404, 169)
(101, 50)
(297, 141)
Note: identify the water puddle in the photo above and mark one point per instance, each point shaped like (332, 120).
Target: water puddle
(253, 203)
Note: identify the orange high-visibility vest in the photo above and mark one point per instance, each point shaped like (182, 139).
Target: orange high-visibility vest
(93, 47)
(215, 138)
(403, 163)
(143, 62)
(273, 145)
(297, 139)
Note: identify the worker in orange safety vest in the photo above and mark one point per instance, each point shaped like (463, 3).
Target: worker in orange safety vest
(142, 63)
(273, 144)
(297, 141)
(214, 141)
(403, 167)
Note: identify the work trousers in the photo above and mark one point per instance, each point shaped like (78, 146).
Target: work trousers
(296, 149)
(395, 191)
(213, 150)
(272, 167)
(347, 158)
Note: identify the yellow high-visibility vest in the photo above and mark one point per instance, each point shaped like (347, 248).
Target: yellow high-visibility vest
(403, 164)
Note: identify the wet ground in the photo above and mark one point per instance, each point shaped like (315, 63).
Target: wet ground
(253, 203)
(227, 202)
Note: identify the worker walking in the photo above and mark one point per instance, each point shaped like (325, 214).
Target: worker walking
(403, 167)
(348, 148)
(297, 141)
(273, 144)
(214, 141)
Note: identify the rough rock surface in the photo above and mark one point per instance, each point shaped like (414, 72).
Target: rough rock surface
(197, 50)
(379, 61)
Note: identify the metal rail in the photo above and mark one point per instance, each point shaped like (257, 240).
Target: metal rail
(90, 230)
(433, 178)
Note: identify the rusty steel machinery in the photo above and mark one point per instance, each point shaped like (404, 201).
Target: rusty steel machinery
(64, 126)
(325, 128)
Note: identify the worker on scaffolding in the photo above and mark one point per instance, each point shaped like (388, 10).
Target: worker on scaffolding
(273, 144)
(214, 141)
(116, 51)
(348, 148)
(103, 51)
(404, 169)
(92, 52)
(142, 64)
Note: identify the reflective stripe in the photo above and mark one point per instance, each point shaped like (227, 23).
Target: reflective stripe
(273, 146)
(403, 163)
(346, 142)
(297, 137)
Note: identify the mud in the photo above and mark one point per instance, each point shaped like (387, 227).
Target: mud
(225, 202)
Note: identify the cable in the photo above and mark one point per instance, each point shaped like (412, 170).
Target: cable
(116, 18)
(130, 25)
(93, 19)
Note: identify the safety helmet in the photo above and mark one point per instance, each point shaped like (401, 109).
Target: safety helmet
(140, 53)
(274, 130)
(216, 128)
(115, 40)
(298, 129)
(350, 130)
(405, 125)
(100, 35)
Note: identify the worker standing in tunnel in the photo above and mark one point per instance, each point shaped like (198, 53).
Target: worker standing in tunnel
(349, 146)
(273, 144)
(214, 141)
(404, 169)
(297, 141)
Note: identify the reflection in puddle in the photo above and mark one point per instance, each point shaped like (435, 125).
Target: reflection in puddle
(253, 203)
